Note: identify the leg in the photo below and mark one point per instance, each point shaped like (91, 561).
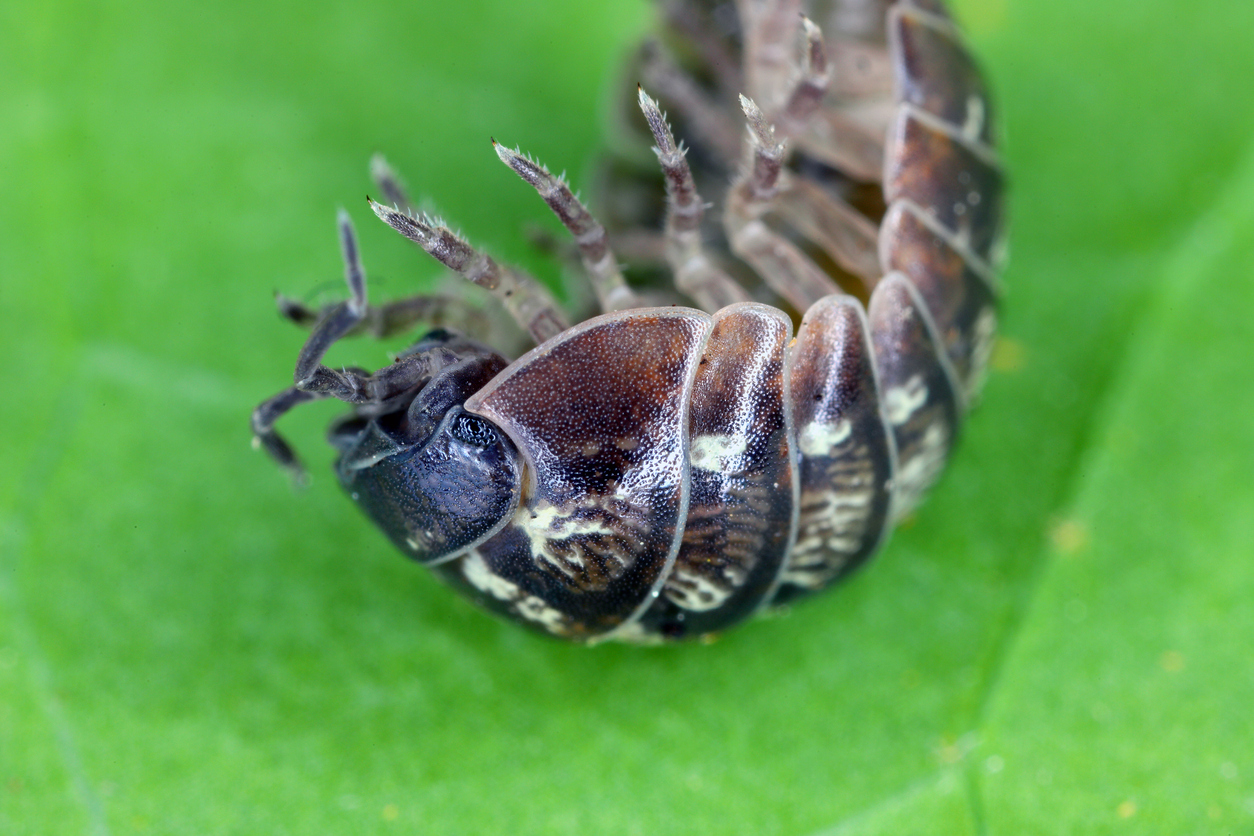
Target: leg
(810, 85)
(310, 374)
(531, 306)
(849, 138)
(768, 30)
(846, 235)
(594, 247)
(700, 115)
(397, 316)
(266, 438)
(780, 263)
(390, 184)
(370, 393)
(695, 274)
(713, 45)
(314, 381)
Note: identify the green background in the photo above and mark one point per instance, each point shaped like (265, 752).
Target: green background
(1060, 642)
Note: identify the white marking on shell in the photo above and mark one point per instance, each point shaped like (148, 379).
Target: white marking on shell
(819, 439)
(900, 402)
(482, 578)
(695, 591)
(712, 452)
(981, 349)
(479, 575)
(547, 521)
(917, 473)
(545, 524)
(634, 633)
(832, 530)
(973, 125)
(535, 609)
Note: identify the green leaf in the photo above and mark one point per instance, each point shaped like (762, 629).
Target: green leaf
(1058, 643)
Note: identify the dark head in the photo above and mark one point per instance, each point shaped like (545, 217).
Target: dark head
(435, 478)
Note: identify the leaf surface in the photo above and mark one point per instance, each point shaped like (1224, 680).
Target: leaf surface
(1058, 642)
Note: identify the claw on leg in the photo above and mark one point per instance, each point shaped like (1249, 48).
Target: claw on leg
(695, 274)
(590, 236)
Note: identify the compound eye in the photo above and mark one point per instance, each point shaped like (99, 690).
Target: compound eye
(472, 430)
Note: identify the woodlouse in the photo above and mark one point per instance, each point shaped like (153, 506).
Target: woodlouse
(660, 472)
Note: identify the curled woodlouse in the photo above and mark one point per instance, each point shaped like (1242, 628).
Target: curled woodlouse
(659, 472)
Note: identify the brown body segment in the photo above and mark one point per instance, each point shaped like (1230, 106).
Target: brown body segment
(957, 289)
(956, 180)
(743, 498)
(599, 415)
(936, 73)
(846, 453)
(920, 399)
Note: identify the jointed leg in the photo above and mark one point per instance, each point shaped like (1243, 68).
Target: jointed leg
(846, 235)
(702, 116)
(531, 306)
(780, 263)
(390, 184)
(370, 393)
(695, 274)
(594, 247)
(315, 381)
(397, 316)
(810, 85)
(265, 437)
(769, 33)
(702, 31)
(311, 375)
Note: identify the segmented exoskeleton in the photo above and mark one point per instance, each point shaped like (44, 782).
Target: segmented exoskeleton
(662, 472)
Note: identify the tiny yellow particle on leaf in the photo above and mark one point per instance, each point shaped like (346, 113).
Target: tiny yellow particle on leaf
(1069, 536)
(1009, 355)
(1172, 661)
